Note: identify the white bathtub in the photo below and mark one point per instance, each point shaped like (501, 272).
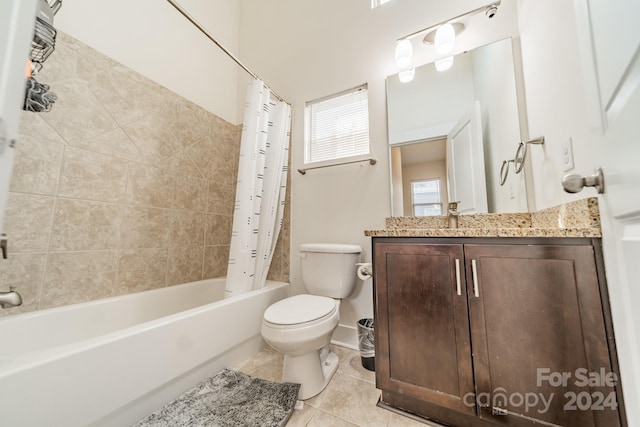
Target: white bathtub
(110, 362)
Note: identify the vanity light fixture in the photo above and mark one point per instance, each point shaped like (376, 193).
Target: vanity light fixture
(445, 39)
(443, 64)
(404, 53)
(442, 35)
(406, 76)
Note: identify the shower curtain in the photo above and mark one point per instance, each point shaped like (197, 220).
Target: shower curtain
(260, 190)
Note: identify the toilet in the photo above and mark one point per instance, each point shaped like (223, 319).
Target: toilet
(301, 326)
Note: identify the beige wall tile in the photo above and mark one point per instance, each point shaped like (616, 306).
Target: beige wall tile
(218, 230)
(155, 137)
(38, 157)
(187, 228)
(276, 268)
(124, 95)
(185, 265)
(25, 272)
(191, 194)
(73, 277)
(151, 186)
(72, 59)
(83, 225)
(145, 228)
(28, 222)
(221, 198)
(190, 122)
(212, 158)
(92, 176)
(141, 270)
(181, 164)
(77, 114)
(113, 143)
(216, 259)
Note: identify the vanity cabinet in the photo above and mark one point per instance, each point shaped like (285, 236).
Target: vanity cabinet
(479, 331)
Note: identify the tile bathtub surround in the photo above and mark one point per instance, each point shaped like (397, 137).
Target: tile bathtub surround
(123, 187)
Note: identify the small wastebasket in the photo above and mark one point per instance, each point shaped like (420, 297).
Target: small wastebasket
(366, 344)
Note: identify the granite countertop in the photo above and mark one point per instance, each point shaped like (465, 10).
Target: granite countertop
(575, 219)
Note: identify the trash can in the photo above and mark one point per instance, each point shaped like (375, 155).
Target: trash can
(366, 344)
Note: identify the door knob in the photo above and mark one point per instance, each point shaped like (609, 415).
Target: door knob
(575, 183)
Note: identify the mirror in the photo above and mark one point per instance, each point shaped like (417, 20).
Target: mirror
(458, 127)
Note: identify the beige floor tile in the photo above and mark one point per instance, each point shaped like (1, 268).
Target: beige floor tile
(324, 419)
(301, 417)
(351, 364)
(352, 399)
(267, 364)
(349, 400)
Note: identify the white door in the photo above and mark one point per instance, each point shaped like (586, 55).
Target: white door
(610, 49)
(17, 19)
(465, 164)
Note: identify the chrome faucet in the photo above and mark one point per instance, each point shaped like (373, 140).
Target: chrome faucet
(10, 299)
(452, 213)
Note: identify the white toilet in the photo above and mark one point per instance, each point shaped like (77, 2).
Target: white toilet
(301, 326)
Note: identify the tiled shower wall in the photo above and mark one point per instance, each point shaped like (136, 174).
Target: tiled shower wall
(122, 187)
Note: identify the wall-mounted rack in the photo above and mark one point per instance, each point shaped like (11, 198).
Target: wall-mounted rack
(519, 159)
(37, 97)
(44, 35)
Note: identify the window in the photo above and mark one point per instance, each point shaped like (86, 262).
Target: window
(337, 127)
(425, 197)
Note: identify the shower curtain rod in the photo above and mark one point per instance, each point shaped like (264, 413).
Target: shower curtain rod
(224, 49)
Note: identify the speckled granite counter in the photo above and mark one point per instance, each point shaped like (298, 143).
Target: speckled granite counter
(575, 219)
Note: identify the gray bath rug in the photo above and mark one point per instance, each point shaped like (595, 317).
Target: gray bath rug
(228, 399)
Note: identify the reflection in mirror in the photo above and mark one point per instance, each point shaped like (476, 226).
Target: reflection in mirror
(457, 126)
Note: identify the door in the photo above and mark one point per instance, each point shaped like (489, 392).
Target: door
(538, 332)
(422, 325)
(610, 49)
(16, 30)
(465, 163)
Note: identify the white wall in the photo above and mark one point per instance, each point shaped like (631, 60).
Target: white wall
(556, 102)
(154, 39)
(306, 50)
(495, 88)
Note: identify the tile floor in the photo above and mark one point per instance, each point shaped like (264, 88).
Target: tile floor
(349, 399)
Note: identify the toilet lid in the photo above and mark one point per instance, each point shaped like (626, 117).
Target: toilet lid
(299, 309)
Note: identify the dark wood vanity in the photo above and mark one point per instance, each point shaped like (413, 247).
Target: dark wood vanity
(495, 331)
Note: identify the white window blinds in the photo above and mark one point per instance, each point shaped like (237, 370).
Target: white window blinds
(337, 127)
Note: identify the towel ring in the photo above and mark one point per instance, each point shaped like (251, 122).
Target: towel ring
(521, 153)
(504, 171)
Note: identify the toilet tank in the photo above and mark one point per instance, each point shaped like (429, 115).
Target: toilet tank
(329, 269)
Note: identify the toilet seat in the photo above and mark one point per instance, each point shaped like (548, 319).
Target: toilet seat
(299, 310)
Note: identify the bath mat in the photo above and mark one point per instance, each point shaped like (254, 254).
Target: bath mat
(228, 399)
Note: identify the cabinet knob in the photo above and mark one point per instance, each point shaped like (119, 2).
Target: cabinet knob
(575, 183)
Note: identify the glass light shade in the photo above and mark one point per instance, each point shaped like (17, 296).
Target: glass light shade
(445, 39)
(406, 76)
(444, 64)
(404, 52)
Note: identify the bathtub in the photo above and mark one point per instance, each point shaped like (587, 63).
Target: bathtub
(110, 362)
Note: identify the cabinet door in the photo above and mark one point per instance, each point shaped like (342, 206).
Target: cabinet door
(422, 325)
(539, 344)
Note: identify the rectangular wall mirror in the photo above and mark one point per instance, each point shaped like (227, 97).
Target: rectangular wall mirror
(451, 131)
